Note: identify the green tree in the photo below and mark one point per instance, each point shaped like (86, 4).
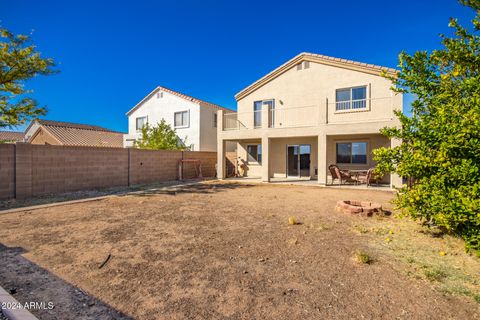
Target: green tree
(160, 137)
(19, 62)
(441, 140)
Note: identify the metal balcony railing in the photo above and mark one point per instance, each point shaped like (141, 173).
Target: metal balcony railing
(334, 112)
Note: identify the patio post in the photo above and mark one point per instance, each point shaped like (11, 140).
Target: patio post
(265, 159)
(322, 159)
(220, 147)
(395, 180)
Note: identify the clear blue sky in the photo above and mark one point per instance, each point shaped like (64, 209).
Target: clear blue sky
(111, 54)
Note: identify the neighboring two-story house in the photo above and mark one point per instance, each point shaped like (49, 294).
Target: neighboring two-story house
(309, 113)
(194, 120)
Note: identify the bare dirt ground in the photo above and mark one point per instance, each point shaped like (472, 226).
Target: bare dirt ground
(226, 251)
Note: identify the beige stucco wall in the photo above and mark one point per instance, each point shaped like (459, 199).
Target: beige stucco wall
(43, 137)
(254, 169)
(311, 88)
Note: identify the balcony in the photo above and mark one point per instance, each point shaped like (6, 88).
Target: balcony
(341, 112)
(306, 116)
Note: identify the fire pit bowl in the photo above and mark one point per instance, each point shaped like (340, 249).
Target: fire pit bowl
(359, 207)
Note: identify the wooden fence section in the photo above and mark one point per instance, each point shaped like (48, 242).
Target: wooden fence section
(31, 170)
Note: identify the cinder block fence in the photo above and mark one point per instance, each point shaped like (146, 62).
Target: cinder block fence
(31, 170)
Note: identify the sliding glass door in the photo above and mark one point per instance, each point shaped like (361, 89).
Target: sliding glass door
(298, 160)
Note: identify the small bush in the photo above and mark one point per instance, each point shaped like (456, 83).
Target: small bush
(363, 257)
(292, 220)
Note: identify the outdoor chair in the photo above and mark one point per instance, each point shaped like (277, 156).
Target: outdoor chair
(343, 176)
(368, 178)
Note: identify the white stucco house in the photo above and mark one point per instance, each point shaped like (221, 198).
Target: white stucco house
(194, 120)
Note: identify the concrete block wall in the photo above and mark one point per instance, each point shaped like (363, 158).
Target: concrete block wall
(7, 171)
(208, 162)
(57, 169)
(151, 165)
(31, 170)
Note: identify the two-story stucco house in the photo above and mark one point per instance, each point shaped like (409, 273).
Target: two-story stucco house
(195, 120)
(309, 113)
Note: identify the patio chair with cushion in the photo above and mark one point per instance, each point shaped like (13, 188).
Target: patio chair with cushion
(368, 178)
(343, 176)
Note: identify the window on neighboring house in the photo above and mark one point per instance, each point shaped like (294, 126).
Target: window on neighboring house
(352, 152)
(181, 119)
(140, 123)
(214, 120)
(351, 98)
(254, 153)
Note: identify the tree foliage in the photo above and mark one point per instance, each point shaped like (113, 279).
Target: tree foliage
(160, 137)
(19, 62)
(441, 139)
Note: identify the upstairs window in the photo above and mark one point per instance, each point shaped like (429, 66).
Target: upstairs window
(181, 119)
(354, 98)
(214, 120)
(257, 114)
(140, 123)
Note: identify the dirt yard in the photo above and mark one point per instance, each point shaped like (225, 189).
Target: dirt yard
(226, 251)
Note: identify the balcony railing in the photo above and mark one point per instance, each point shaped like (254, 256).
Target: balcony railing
(277, 118)
(381, 109)
(351, 105)
(307, 116)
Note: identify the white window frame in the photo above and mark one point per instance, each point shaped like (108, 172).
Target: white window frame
(350, 102)
(144, 123)
(260, 112)
(183, 125)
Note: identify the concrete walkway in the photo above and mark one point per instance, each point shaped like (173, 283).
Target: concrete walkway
(311, 183)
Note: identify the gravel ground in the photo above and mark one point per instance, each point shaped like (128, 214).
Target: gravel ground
(212, 251)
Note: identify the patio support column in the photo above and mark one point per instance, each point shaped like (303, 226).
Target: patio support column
(395, 180)
(265, 159)
(220, 147)
(322, 159)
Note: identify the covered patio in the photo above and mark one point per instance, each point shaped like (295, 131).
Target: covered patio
(296, 160)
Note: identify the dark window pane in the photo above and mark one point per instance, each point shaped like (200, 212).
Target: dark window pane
(259, 154)
(359, 152)
(359, 93)
(252, 153)
(344, 152)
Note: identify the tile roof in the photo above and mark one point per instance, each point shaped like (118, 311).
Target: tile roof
(178, 94)
(72, 125)
(319, 58)
(11, 136)
(73, 134)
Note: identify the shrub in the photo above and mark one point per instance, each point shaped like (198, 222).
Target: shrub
(440, 148)
(363, 257)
